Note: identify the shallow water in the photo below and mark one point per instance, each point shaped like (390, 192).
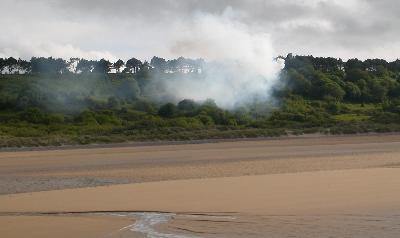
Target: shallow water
(146, 223)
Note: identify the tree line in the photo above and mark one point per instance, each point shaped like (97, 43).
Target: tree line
(54, 103)
(76, 65)
(371, 80)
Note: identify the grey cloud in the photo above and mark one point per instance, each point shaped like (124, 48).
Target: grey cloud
(142, 28)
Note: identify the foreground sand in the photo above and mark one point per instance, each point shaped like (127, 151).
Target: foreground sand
(316, 187)
(61, 226)
(363, 195)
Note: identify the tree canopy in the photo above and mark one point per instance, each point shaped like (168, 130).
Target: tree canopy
(55, 101)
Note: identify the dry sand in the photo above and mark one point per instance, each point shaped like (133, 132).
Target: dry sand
(316, 187)
(314, 193)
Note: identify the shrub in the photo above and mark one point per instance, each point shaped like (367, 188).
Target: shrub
(168, 110)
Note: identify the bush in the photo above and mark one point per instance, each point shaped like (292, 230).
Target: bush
(168, 110)
(34, 115)
(87, 118)
(386, 117)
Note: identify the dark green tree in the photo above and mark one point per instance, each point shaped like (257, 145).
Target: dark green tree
(133, 65)
(168, 110)
(117, 65)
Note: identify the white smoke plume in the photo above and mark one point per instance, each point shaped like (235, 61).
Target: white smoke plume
(241, 65)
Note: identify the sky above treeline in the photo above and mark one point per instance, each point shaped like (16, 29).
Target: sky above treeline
(95, 29)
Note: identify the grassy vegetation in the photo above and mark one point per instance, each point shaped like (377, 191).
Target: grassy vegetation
(351, 117)
(316, 96)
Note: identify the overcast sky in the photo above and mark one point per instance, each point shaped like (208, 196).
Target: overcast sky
(169, 28)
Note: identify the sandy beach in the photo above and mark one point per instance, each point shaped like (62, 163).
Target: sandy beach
(61, 226)
(306, 187)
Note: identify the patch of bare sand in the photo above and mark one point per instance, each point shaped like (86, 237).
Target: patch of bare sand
(352, 203)
(49, 170)
(286, 226)
(238, 168)
(343, 203)
(348, 187)
(93, 226)
(344, 191)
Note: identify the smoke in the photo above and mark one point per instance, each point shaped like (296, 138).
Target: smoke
(240, 63)
(50, 49)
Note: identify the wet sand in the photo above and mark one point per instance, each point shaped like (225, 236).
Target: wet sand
(361, 196)
(31, 171)
(316, 187)
(62, 226)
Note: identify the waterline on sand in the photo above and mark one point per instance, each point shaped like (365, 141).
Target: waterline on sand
(147, 221)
